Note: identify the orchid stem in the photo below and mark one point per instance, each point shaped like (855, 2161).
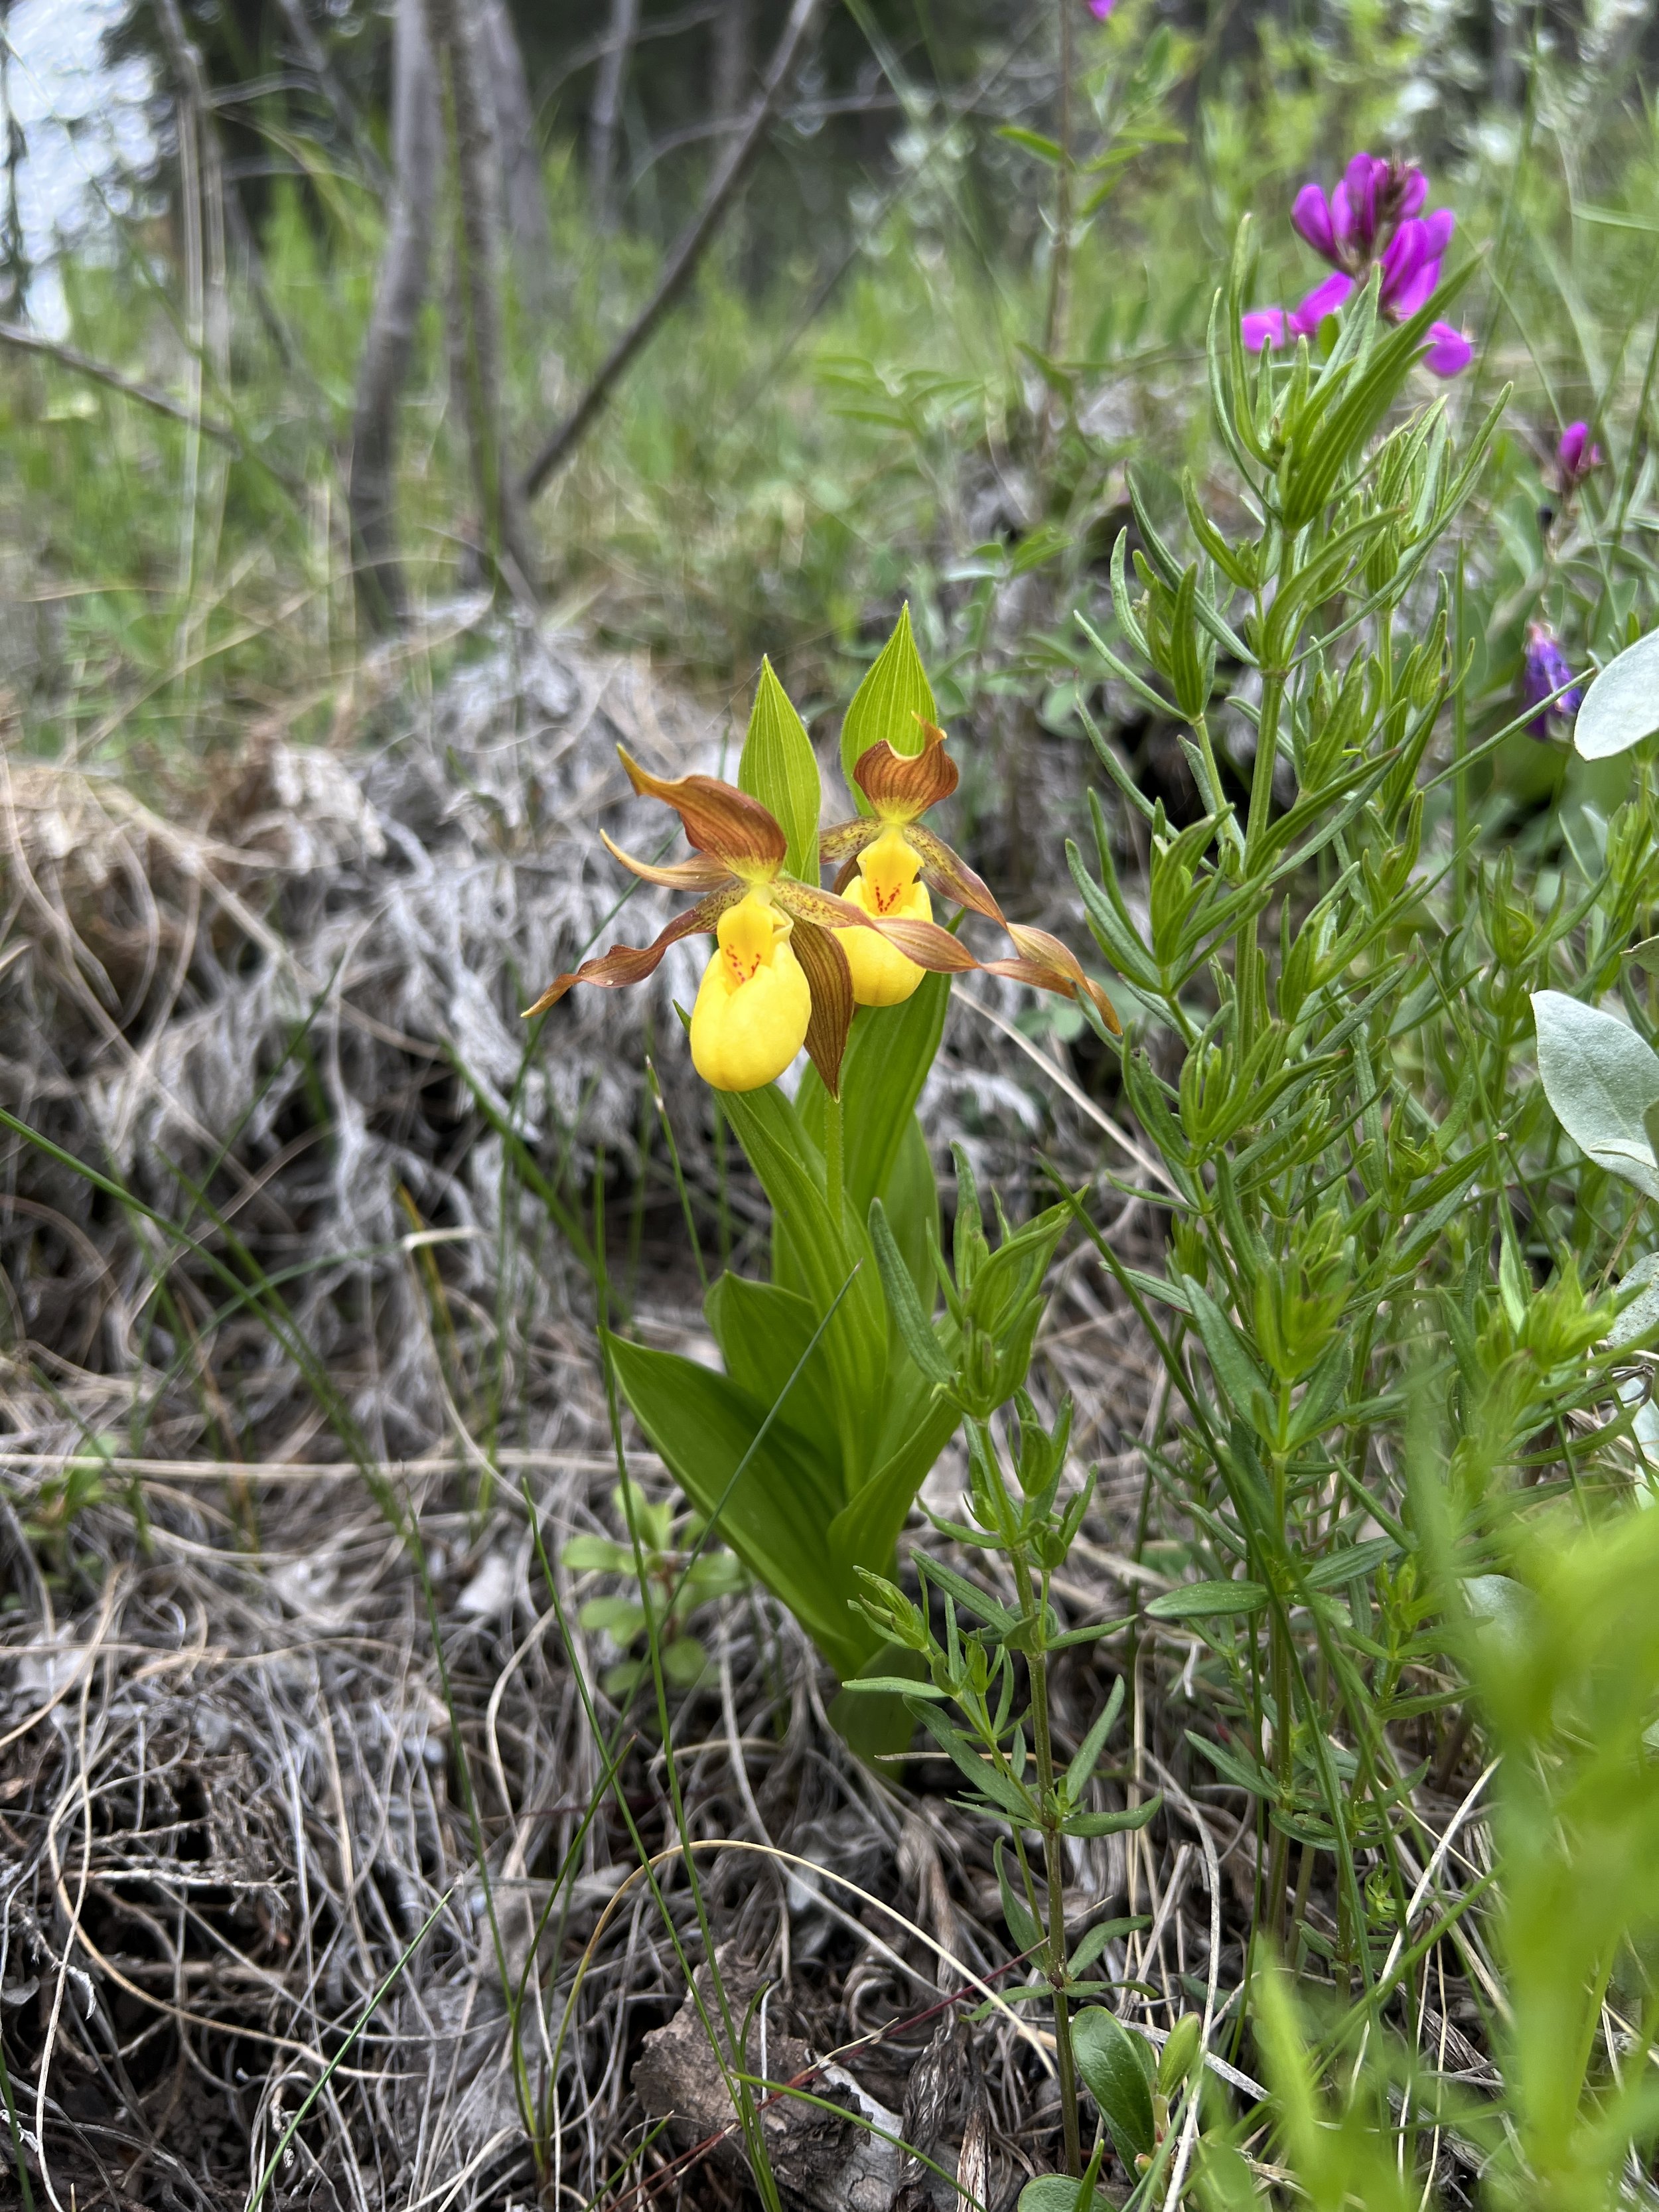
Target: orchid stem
(832, 1158)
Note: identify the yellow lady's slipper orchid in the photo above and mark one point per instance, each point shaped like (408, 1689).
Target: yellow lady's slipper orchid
(754, 1002)
(779, 978)
(878, 849)
(886, 884)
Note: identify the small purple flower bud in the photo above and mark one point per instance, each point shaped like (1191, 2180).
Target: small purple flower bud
(1101, 10)
(1544, 671)
(1311, 215)
(1574, 457)
(1451, 352)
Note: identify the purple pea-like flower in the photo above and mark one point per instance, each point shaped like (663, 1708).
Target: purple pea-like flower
(1451, 352)
(1544, 671)
(1574, 457)
(1101, 10)
(1373, 218)
(1362, 215)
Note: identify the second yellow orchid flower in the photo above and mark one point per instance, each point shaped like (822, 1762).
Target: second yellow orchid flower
(891, 862)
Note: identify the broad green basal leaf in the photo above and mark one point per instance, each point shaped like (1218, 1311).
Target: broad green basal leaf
(1621, 706)
(1602, 1081)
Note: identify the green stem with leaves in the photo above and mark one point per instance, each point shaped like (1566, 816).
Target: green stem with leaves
(1032, 1609)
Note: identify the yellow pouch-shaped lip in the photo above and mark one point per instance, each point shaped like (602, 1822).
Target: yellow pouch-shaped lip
(753, 1003)
(887, 886)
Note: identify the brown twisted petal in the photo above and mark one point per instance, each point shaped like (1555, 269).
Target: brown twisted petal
(901, 785)
(830, 981)
(1052, 966)
(848, 839)
(943, 871)
(718, 816)
(924, 942)
(631, 964)
(699, 875)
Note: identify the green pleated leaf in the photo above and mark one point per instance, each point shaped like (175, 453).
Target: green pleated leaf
(776, 1516)
(894, 693)
(823, 1256)
(778, 768)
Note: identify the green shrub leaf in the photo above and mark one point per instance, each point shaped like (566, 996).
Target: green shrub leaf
(1621, 706)
(1115, 2074)
(1602, 1080)
(1198, 1601)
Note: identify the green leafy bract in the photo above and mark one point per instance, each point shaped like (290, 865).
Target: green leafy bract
(778, 768)
(892, 702)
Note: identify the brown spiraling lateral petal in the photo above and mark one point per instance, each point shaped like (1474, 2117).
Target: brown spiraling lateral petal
(830, 981)
(943, 872)
(718, 816)
(631, 964)
(1052, 966)
(901, 785)
(848, 839)
(924, 942)
(701, 874)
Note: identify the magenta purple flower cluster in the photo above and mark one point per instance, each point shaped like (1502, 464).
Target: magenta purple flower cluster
(1100, 10)
(1373, 219)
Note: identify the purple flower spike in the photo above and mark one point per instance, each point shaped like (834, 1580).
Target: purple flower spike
(1372, 219)
(1451, 352)
(1100, 10)
(1544, 671)
(1311, 213)
(1574, 457)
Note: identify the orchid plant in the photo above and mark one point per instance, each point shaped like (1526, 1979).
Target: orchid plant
(807, 1453)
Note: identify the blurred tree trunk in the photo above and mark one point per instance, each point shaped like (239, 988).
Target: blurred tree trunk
(454, 32)
(519, 154)
(416, 149)
(732, 62)
(606, 111)
(309, 48)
